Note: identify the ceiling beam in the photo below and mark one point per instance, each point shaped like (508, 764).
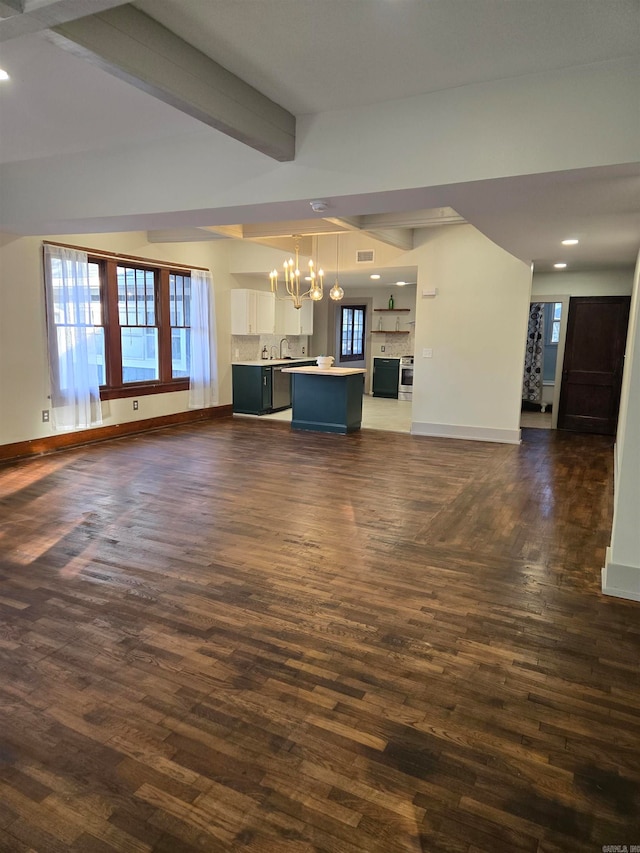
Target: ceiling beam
(401, 238)
(346, 223)
(233, 232)
(19, 18)
(303, 227)
(134, 47)
(414, 219)
(182, 235)
(10, 7)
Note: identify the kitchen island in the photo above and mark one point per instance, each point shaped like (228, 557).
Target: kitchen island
(326, 399)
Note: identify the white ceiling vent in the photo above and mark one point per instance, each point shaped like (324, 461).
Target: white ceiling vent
(364, 256)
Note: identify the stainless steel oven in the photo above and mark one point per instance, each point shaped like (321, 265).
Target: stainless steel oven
(405, 384)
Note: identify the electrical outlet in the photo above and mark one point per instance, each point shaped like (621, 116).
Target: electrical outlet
(302, 350)
(45, 416)
(135, 405)
(382, 349)
(427, 352)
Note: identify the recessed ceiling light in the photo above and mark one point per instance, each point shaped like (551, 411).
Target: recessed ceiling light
(560, 266)
(570, 241)
(374, 276)
(400, 283)
(3, 74)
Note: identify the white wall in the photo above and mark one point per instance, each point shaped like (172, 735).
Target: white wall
(621, 574)
(476, 328)
(612, 282)
(24, 375)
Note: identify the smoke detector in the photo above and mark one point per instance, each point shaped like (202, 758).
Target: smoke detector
(318, 206)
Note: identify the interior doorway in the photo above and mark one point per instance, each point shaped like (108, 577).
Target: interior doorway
(542, 373)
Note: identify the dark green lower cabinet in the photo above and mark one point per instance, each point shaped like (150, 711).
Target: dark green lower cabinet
(251, 389)
(327, 403)
(386, 375)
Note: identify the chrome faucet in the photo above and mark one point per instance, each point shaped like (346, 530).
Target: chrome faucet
(271, 349)
(284, 341)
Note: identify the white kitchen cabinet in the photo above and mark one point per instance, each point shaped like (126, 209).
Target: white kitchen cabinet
(294, 321)
(252, 312)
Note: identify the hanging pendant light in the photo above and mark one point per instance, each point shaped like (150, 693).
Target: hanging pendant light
(336, 293)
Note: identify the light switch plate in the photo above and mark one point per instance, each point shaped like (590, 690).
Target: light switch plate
(427, 352)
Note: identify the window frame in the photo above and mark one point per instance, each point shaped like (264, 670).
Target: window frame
(555, 323)
(115, 388)
(186, 308)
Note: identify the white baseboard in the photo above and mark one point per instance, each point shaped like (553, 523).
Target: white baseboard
(469, 433)
(620, 581)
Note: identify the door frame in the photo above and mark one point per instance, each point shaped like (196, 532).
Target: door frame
(564, 318)
(334, 324)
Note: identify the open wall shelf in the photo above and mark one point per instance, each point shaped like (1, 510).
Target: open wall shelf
(393, 310)
(387, 332)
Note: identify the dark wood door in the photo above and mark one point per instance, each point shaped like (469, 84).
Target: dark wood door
(593, 362)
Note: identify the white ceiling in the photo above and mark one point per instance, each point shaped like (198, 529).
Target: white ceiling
(57, 103)
(300, 53)
(316, 55)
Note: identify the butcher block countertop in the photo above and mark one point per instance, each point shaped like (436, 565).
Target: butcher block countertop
(325, 371)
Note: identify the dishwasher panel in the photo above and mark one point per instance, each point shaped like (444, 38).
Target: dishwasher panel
(280, 390)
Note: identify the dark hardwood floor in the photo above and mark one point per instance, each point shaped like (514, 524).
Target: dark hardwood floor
(231, 637)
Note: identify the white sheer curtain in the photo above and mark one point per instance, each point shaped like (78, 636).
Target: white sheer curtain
(73, 361)
(203, 378)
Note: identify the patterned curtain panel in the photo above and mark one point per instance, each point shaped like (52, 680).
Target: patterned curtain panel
(532, 380)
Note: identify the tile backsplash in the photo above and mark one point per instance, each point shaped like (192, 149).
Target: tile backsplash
(395, 346)
(249, 347)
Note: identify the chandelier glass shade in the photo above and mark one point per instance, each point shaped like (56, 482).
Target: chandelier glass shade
(336, 292)
(294, 290)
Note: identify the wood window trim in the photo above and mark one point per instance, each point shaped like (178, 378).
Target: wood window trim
(108, 263)
(143, 389)
(117, 389)
(100, 254)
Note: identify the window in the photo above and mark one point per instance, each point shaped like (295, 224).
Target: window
(141, 317)
(139, 332)
(555, 325)
(180, 318)
(352, 333)
(553, 316)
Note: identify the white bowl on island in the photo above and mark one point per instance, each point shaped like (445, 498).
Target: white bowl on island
(325, 361)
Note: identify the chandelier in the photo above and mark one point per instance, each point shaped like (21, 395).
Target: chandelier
(292, 284)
